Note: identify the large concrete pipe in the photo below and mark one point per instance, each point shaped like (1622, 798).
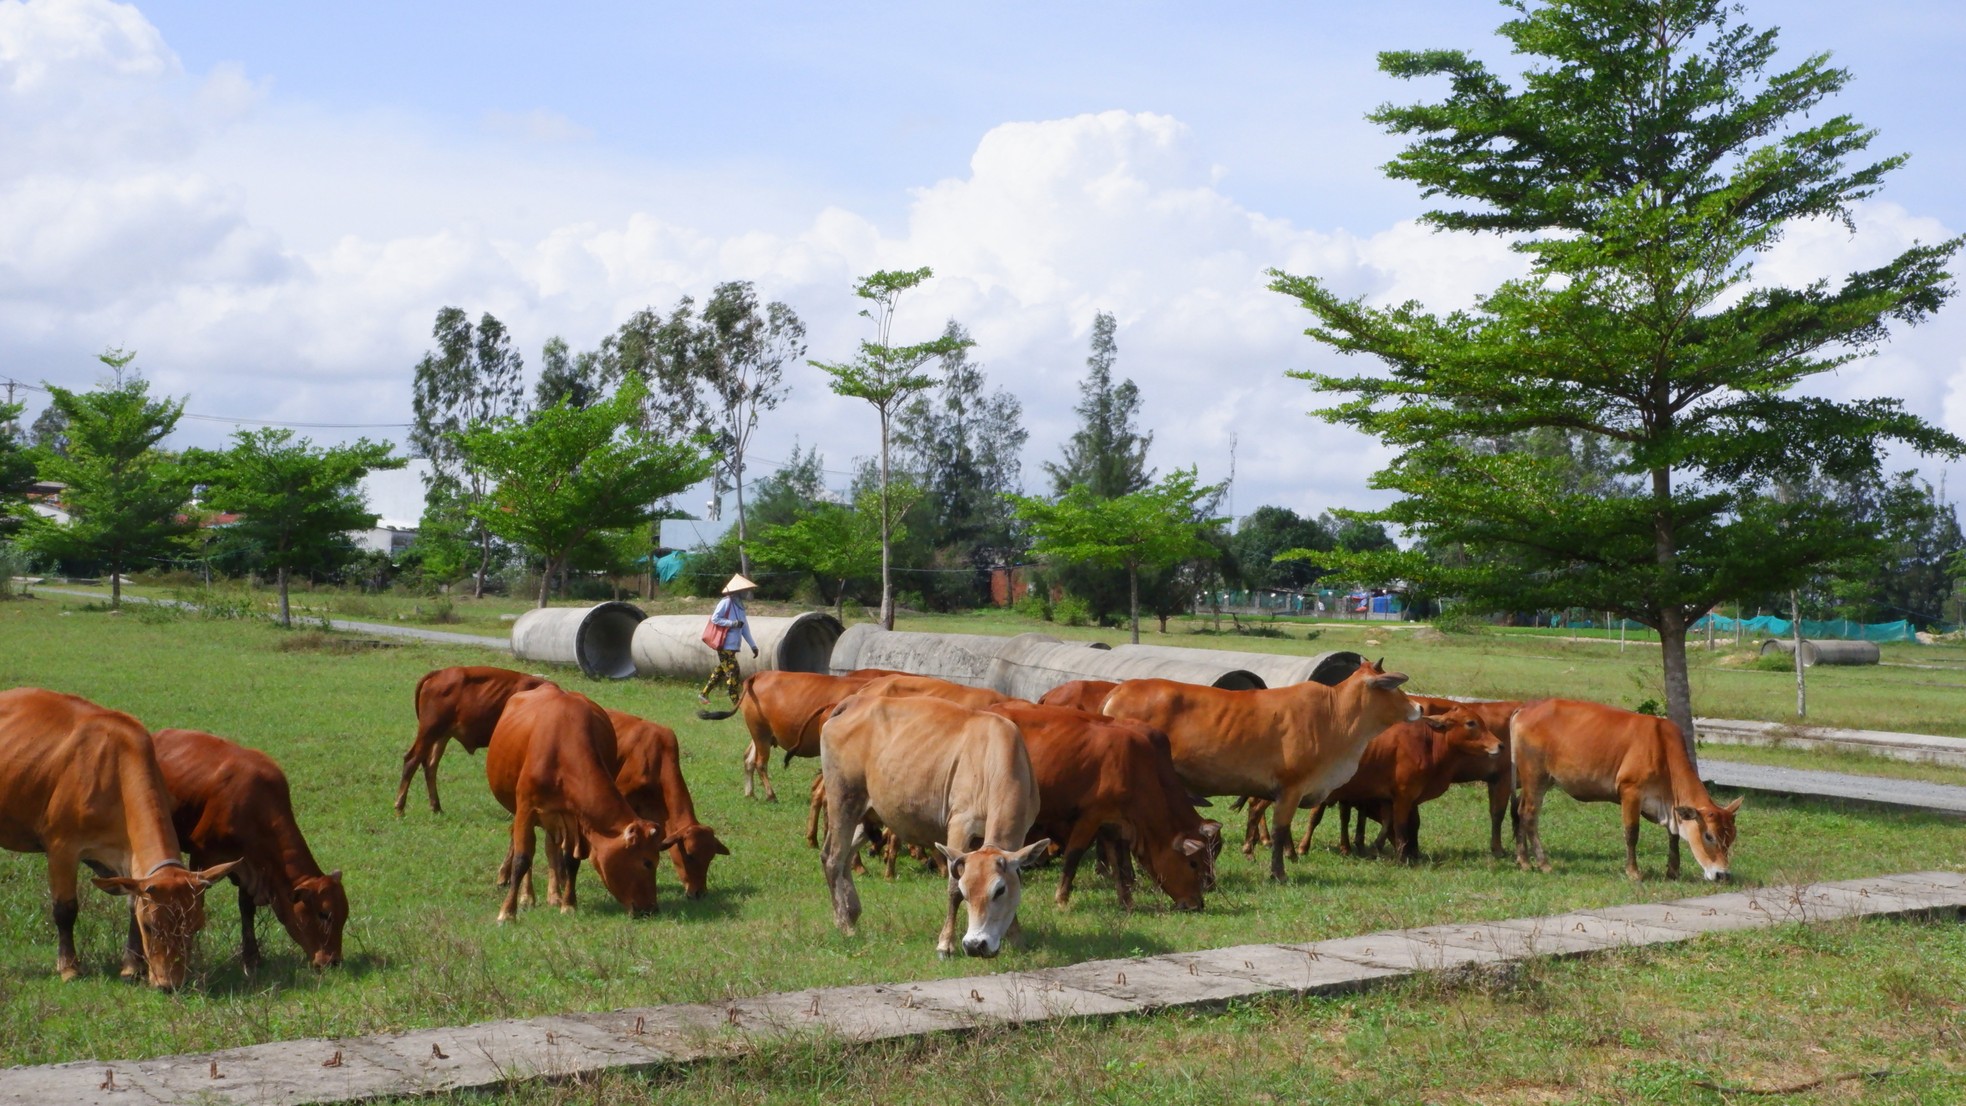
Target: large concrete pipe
(1029, 665)
(595, 638)
(1826, 652)
(1276, 669)
(672, 645)
(958, 658)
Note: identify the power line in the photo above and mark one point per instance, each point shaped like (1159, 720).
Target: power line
(12, 384)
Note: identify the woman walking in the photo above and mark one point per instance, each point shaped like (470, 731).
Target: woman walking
(728, 625)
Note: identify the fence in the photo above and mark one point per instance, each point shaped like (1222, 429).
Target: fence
(1771, 626)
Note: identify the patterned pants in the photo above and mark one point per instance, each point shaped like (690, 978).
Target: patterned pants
(726, 675)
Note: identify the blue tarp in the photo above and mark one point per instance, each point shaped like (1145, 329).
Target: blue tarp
(1833, 628)
(668, 567)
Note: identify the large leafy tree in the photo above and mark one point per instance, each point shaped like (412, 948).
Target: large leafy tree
(296, 502)
(16, 468)
(570, 472)
(125, 496)
(474, 376)
(835, 543)
(887, 376)
(1155, 527)
(1643, 164)
(741, 350)
(1107, 453)
(1268, 531)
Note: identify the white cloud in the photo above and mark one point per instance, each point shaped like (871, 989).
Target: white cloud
(537, 125)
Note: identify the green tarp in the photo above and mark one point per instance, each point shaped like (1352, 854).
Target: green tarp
(1769, 626)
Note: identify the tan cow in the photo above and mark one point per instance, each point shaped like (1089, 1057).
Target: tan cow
(1291, 744)
(1497, 776)
(934, 771)
(1596, 753)
(783, 710)
(650, 776)
(462, 702)
(81, 783)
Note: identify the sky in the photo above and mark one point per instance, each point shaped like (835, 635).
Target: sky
(270, 203)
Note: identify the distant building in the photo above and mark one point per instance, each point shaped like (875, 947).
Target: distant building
(386, 536)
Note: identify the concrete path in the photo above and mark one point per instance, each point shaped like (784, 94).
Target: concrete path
(1913, 747)
(494, 1053)
(383, 629)
(1936, 798)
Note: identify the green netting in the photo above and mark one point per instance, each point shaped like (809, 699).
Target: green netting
(1771, 626)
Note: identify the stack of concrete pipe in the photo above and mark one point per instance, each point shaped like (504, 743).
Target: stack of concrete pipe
(672, 645)
(1826, 652)
(1275, 669)
(1029, 665)
(958, 658)
(595, 638)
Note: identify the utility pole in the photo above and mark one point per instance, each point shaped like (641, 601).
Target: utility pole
(1795, 631)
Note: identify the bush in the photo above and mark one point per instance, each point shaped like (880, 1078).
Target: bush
(440, 610)
(1072, 611)
(1461, 620)
(1033, 607)
(14, 561)
(1773, 662)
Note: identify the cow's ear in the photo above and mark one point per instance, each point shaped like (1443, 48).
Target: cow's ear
(335, 875)
(1029, 852)
(1386, 681)
(217, 871)
(951, 858)
(1735, 805)
(1192, 847)
(1686, 814)
(721, 849)
(1211, 830)
(117, 885)
(1433, 722)
(1199, 801)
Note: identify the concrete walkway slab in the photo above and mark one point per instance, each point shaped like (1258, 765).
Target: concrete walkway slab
(1932, 798)
(492, 1054)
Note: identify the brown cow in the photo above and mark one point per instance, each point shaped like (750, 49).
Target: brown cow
(549, 763)
(1597, 753)
(784, 710)
(80, 783)
(1291, 743)
(1404, 766)
(232, 803)
(1085, 695)
(462, 702)
(651, 779)
(902, 684)
(1499, 775)
(1095, 773)
(934, 771)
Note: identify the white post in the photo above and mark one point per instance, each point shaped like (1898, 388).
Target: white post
(1795, 630)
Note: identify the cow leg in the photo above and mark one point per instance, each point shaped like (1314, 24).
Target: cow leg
(1628, 806)
(1383, 812)
(1280, 816)
(890, 853)
(62, 877)
(1317, 816)
(1529, 837)
(1123, 878)
(520, 861)
(1499, 793)
(1083, 833)
(569, 874)
(1672, 854)
(1404, 850)
(844, 809)
(1253, 833)
(248, 936)
(133, 958)
(815, 810)
(556, 872)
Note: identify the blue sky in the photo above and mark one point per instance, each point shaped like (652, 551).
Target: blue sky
(269, 202)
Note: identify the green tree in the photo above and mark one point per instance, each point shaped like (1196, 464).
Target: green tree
(17, 470)
(964, 445)
(474, 376)
(565, 375)
(795, 488)
(1107, 453)
(1268, 531)
(295, 500)
(833, 542)
(742, 348)
(1646, 162)
(570, 472)
(887, 376)
(50, 431)
(1151, 528)
(125, 496)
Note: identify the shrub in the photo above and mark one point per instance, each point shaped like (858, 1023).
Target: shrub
(1072, 611)
(1773, 662)
(14, 561)
(1461, 620)
(1033, 607)
(440, 610)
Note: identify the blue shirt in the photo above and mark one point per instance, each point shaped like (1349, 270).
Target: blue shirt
(730, 613)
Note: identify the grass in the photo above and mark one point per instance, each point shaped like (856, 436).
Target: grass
(1754, 1011)
(422, 948)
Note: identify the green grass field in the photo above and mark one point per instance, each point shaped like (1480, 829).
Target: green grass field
(423, 950)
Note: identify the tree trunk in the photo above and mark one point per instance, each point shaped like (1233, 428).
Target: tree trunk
(116, 582)
(839, 601)
(1679, 688)
(887, 581)
(1795, 632)
(286, 613)
(545, 583)
(737, 470)
(484, 565)
(1133, 598)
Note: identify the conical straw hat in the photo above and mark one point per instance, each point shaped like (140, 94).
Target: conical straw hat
(738, 583)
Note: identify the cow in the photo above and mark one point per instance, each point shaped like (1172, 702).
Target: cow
(462, 702)
(550, 763)
(650, 777)
(934, 771)
(1085, 695)
(1095, 774)
(1404, 766)
(80, 783)
(1498, 774)
(784, 710)
(229, 802)
(1596, 753)
(1289, 743)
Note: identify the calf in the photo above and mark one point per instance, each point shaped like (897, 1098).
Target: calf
(934, 771)
(1085, 695)
(81, 784)
(1498, 774)
(784, 710)
(463, 702)
(650, 777)
(1094, 773)
(229, 802)
(550, 763)
(1596, 753)
(1407, 765)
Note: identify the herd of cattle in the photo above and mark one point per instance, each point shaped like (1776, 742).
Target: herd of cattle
(993, 785)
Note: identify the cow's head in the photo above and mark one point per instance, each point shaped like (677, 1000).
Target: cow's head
(625, 862)
(170, 910)
(1184, 866)
(318, 912)
(989, 883)
(1467, 740)
(695, 848)
(1378, 702)
(1709, 831)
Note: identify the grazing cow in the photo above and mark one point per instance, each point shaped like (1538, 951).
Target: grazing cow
(651, 779)
(1085, 695)
(1498, 774)
(462, 702)
(1095, 773)
(934, 771)
(232, 803)
(1596, 753)
(80, 783)
(550, 763)
(1291, 744)
(784, 710)
(1404, 766)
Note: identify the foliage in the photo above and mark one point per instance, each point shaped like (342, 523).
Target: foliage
(1461, 619)
(14, 561)
(1106, 453)
(741, 348)
(1909, 573)
(295, 500)
(788, 493)
(17, 470)
(571, 472)
(963, 445)
(887, 376)
(1071, 611)
(564, 376)
(832, 542)
(1034, 607)
(49, 433)
(1268, 531)
(1150, 528)
(125, 496)
(473, 377)
(1646, 161)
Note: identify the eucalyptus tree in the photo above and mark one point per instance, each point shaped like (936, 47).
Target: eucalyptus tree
(474, 376)
(740, 356)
